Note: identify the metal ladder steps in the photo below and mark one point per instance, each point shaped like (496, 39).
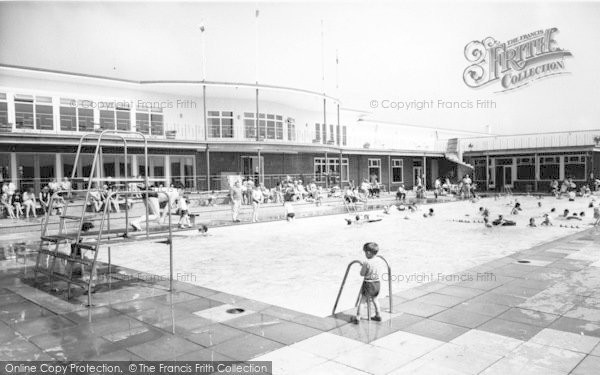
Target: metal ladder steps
(62, 277)
(67, 257)
(73, 217)
(56, 239)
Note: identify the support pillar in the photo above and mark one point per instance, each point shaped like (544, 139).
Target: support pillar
(389, 173)
(326, 171)
(424, 173)
(342, 168)
(206, 137)
(58, 167)
(207, 169)
(14, 177)
(167, 170)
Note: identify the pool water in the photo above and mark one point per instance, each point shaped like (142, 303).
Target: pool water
(300, 264)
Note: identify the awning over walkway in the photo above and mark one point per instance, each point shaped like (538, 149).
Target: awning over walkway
(454, 158)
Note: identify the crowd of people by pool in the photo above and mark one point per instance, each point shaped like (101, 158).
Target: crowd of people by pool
(24, 203)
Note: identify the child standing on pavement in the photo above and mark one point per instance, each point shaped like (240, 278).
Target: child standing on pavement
(371, 284)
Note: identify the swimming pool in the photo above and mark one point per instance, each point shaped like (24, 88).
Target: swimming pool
(300, 265)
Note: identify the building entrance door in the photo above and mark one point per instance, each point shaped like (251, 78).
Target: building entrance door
(250, 168)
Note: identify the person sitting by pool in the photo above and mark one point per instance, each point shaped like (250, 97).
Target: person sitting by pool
(151, 202)
(501, 221)
(401, 193)
(6, 203)
(17, 202)
(546, 221)
(420, 191)
(371, 284)
(571, 195)
(516, 209)
(597, 215)
(29, 203)
(585, 191)
(554, 188)
(350, 196)
(531, 222)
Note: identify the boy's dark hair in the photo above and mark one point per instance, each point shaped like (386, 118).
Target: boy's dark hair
(371, 247)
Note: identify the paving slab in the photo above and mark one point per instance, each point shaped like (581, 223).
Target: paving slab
(436, 330)
(566, 340)
(519, 331)
(487, 342)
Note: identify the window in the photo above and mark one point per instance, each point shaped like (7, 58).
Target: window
(331, 134)
(107, 115)
(270, 126)
(249, 125)
(44, 113)
(156, 122)
(279, 127)
(68, 115)
(526, 168)
(291, 129)
(123, 116)
(324, 133)
(343, 136)
(142, 120)
(479, 169)
(24, 112)
(262, 126)
(374, 170)
(3, 110)
(85, 116)
(397, 170)
(220, 124)
(4, 167)
(318, 133)
(575, 167)
(549, 168)
(330, 167)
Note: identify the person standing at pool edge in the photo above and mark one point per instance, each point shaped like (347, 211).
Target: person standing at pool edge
(236, 200)
(371, 285)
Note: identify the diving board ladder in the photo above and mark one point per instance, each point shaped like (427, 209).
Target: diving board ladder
(50, 245)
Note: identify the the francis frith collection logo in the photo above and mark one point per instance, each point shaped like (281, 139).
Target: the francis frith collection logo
(515, 63)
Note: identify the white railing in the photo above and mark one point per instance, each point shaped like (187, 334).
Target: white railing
(379, 140)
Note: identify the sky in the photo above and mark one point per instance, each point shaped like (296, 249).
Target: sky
(388, 52)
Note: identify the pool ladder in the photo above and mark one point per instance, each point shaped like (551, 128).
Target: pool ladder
(337, 300)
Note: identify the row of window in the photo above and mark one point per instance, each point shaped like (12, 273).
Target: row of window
(331, 166)
(37, 112)
(549, 167)
(37, 170)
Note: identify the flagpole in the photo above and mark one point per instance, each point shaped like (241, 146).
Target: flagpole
(256, 54)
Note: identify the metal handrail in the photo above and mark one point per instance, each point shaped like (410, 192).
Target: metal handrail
(389, 280)
(337, 300)
(358, 299)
